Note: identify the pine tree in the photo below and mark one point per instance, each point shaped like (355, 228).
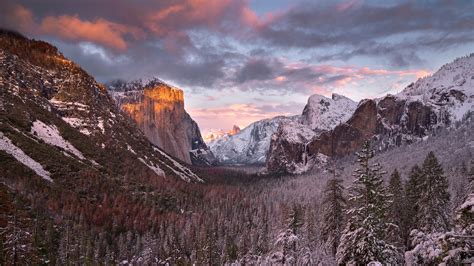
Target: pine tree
(396, 206)
(434, 197)
(364, 238)
(286, 248)
(412, 197)
(333, 213)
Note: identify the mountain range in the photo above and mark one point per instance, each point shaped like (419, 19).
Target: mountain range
(337, 126)
(57, 105)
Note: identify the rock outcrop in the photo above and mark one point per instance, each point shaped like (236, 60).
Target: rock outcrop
(435, 101)
(158, 110)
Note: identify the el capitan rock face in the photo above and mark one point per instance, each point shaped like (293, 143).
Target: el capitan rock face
(158, 110)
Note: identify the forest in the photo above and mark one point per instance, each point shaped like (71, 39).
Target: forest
(411, 205)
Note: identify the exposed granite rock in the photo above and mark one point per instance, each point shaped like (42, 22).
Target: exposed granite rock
(158, 110)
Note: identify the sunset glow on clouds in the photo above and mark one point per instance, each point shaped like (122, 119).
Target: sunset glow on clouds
(243, 60)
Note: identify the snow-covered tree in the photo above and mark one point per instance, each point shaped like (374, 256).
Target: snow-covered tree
(286, 245)
(453, 247)
(333, 213)
(364, 238)
(434, 198)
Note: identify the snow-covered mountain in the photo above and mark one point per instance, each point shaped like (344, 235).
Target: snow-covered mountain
(250, 145)
(439, 100)
(322, 113)
(449, 91)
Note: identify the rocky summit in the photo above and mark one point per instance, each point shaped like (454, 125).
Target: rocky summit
(158, 110)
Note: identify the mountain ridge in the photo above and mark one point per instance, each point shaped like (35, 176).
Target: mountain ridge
(44, 91)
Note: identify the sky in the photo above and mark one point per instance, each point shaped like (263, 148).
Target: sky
(239, 61)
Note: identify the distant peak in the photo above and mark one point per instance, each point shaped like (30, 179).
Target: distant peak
(337, 97)
(235, 130)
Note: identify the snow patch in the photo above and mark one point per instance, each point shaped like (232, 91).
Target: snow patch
(154, 168)
(130, 149)
(184, 172)
(7, 146)
(100, 124)
(50, 134)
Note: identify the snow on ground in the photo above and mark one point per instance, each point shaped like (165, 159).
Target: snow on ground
(78, 123)
(184, 172)
(69, 105)
(131, 150)
(100, 124)
(50, 135)
(7, 146)
(155, 169)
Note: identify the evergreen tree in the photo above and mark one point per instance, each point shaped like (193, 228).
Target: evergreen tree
(333, 213)
(396, 206)
(286, 249)
(364, 238)
(412, 197)
(434, 197)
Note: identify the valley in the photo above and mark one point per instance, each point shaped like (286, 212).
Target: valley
(98, 171)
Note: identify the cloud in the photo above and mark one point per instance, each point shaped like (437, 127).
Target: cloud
(393, 30)
(242, 114)
(270, 75)
(255, 69)
(100, 31)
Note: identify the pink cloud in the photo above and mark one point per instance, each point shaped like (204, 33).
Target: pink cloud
(100, 31)
(234, 114)
(346, 5)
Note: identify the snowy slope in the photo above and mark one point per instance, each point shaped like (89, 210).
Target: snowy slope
(7, 146)
(322, 113)
(449, 91)
(58, 121)
(250, 145)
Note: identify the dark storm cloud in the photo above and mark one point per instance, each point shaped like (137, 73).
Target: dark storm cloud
(257, 69)
(395, 31)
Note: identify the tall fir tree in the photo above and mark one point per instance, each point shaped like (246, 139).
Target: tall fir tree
(412, 197)
(364, 238)
(434, 198)
(396, 207)
(333, 212)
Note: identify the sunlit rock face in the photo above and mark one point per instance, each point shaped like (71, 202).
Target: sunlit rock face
(158, 110)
